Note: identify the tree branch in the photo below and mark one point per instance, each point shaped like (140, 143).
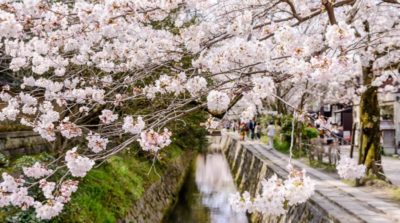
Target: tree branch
(331, 12)
(235, 100)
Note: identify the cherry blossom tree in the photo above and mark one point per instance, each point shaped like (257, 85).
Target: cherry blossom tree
(78, 66)
(342, 49)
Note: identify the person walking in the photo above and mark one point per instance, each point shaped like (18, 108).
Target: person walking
(242, 130)
(257, 131)
(227, 124)
(271, 134)
(320, 123)
(248, 123)
(252, 125)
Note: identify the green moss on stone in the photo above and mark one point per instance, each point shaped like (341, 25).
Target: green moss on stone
(107, 193)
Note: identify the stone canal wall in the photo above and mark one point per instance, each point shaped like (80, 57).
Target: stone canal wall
(248, 171)
(161, 196)
(21, 143)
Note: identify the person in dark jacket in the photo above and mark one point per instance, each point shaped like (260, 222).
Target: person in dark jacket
(252, 125)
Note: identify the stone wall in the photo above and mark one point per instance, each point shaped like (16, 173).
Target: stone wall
(22, 142)
(158, 200)
(248, 171)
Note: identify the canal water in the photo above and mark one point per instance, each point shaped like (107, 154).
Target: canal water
(204, 197)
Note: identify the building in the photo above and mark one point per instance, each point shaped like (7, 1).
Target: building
(341, 115)
(389, 104)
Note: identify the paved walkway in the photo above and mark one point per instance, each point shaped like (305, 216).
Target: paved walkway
(391, 165)
(348, 204)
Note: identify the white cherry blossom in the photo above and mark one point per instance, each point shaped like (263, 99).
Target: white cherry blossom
(340, 35)
(78, 165)
(349, 169)
(217, 102)
(133, 128)
(299, 187)
(154, 141)
(36, 171)
(96, 142)
(107, 116)
(196, 85)
(67, 188)
(69, 130)
(47, 188)
(20, 198)
(48, 210)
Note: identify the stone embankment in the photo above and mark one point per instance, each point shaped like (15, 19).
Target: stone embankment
(161, 196)
(21, 143)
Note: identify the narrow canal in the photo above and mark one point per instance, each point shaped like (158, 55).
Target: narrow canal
(204, 197)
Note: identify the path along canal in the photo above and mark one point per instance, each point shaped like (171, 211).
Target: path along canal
(205, 195)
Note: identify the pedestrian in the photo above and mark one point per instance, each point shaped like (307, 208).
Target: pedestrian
(319, 149)
(271, 134)
(336, 133)
(329, 138)
(227, 124)
(246, 130)
(335, 129)
(252, 125)
(243, 131)
(257, 131)
(341, 134)
(248, 123)
(320, 123)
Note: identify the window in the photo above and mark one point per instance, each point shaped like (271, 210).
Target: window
(327, 108)
(387, 112)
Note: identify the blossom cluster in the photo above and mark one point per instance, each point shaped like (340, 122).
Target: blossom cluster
(196, 85)
(349, 169)
(212, 124)
(55, 204)
(96, 143)
(15, 193)
(176, 85)
(231, 53)
(297, 189)
(339, 35)
(107, 116)
(80, 27)
(154, 141)
(78, 165)
(248, 114)
(36, 171)
(217, 102)
(167, 84)
(263, 87)
(69, 130)
(132, 128)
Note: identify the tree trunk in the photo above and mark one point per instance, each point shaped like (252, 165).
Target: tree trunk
(370, 149)
(280, 106)
(353, 131)
(299, 126)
